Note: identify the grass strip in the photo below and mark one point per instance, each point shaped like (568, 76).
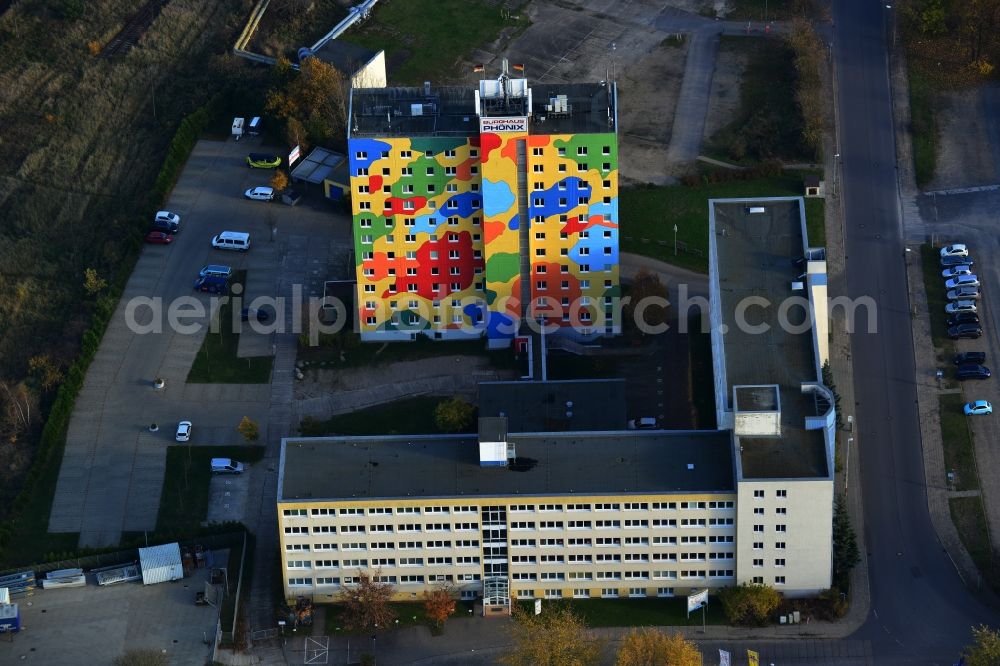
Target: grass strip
(959, 454)
(648, 215)
(970, 520)
(640, 612)
(217, 362)
(184, 499)
(420, 46)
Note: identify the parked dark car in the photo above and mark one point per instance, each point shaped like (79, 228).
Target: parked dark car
(965, 358)
(164, 226)
(965, 331)
(947, 262)
(972, 371)
(963, 318)
(259, 315)
(212, 284)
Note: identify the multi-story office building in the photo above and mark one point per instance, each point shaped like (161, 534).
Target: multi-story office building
(477, 208)
(598, 512)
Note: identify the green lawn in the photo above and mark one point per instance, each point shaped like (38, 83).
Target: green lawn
(184, 499)
(217, 362)
(421, 45)
(768, 123)
(936, 297)
(970, 521)
(646, 612)
(923, 124)
(648, 216)
(959, 454)
(345, 350)
(412, 416)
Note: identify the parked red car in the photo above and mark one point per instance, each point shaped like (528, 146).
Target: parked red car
(159, 238)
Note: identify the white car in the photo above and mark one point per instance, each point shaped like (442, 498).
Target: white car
(260, 193)
(960, 306)
(956, 250)
(955, 271)
(167, 216)
(183, 431)
(970, 280)
(645, 423)
(964, 293)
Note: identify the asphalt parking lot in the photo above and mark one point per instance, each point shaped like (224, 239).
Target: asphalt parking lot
(112, 471)
(95, 625)
(970, 218)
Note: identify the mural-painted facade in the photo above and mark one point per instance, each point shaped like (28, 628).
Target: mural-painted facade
(441, 243)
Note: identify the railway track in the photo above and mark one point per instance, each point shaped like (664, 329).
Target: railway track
(129, 36)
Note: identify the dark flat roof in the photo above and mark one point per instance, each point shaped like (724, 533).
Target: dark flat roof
(451, 110)
(597, 404)
(348, 58)
(448, 466)
(755, 257)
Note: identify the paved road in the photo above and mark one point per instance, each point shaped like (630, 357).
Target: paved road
(921, 613)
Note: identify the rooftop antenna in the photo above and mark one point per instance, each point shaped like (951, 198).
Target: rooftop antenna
(504, 80)
(388, 117)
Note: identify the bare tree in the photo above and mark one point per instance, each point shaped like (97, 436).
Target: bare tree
(366, 603)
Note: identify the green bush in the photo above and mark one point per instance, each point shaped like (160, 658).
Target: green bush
(749, 604)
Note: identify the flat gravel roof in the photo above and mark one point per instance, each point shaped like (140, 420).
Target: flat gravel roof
(614, 463)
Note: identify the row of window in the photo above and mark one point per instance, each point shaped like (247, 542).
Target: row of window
(780, 511)
(428, 171)
(617, 524)
(617, 557)
(562, 167)
(389, 223)
(407, 154)
(778, 562)
(409, 205)
(382, 528)
(781, 529)
(562, 186)
(604, 542)
(412, 579)
(383, 545)
(379, 562)
(622, 506)
(780, 493)
(561, 151)
(514, 508)
(684, 574)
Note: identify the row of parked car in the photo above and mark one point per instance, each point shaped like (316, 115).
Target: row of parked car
(962, 311)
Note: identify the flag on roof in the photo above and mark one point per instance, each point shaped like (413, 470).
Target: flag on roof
(518, 67)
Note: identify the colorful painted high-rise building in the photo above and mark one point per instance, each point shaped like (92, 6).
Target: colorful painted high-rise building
(476, 210)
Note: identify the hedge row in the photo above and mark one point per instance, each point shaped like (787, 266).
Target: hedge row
(180, 148)
(53, 438)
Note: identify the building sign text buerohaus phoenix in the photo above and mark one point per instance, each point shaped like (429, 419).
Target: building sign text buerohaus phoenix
(518, 124)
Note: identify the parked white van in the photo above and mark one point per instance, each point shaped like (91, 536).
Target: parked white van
(226, 466)
(232, 240)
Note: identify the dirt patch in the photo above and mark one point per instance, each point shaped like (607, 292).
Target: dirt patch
(964, 158)
(648, 91)
(724, 100)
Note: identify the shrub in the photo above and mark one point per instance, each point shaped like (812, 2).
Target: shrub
(749, 604)
(453, 415)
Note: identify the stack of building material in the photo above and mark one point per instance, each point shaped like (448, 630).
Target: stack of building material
(64, 578)
(20, 584)
(120, 573)
(10, 615)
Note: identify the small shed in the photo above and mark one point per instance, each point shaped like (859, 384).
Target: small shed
(814, 186)
(161, 563)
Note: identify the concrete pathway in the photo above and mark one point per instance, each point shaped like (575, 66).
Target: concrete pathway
(111, 475)
(692, 105)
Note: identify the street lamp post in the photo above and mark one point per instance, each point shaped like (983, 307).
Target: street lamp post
(675, 240)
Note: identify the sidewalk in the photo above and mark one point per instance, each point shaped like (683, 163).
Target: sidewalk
(480, 640)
